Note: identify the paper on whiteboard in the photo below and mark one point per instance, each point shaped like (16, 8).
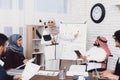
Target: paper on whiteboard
(68, 31)
(30, 70)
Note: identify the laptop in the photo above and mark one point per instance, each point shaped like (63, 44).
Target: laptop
(47, 37)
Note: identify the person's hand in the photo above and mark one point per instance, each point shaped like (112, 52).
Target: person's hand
(17, 77)
(84, 58)
(76, 35)
(105, 73)
(109, 75)
(53, 40)
(25, 61)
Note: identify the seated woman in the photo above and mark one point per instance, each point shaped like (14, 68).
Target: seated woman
(14, 54)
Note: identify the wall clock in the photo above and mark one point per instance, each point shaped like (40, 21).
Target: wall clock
(97, 13)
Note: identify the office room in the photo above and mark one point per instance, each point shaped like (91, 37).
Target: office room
(59, 39)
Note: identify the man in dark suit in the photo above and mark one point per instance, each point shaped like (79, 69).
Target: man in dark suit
(3, 74)
(114, 75)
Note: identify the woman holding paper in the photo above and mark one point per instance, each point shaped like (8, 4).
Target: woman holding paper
(14, 54)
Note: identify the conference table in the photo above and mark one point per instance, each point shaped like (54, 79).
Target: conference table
(41, 77)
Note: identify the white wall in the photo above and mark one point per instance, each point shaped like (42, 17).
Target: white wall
(107, 27)
(71, 17)
(78, 12)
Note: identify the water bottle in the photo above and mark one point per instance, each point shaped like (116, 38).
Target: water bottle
(62, 74)
(75, 77)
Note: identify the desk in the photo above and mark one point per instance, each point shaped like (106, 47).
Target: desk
(40, 77)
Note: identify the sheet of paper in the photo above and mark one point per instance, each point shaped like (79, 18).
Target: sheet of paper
(91, 66)
(81, 78)
(48, 73)
(30, 70)
(77, 70)
(31, 60)
(14, 72)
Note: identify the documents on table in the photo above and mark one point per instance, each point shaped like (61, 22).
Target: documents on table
(77, 70)
(30, 70)
(47, 73)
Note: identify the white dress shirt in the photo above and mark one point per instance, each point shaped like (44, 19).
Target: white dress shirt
(1, 63)
(97, 54)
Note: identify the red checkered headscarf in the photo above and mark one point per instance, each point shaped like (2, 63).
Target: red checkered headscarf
(103, 43)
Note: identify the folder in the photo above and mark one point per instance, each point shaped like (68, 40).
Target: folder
(47, 37)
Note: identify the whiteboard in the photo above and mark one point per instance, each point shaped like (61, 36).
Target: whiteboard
(68, 43)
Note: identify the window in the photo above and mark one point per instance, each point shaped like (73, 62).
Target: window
(51, 6)
(21, 4)
(6, 4)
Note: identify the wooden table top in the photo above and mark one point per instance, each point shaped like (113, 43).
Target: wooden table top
(41, 77)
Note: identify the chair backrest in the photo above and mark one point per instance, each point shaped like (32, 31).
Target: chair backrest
(112, 62)
(106, 61)
(66, 63)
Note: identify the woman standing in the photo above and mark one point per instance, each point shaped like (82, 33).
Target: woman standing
(50, 45)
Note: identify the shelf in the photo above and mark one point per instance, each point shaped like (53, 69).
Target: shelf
(36, 39)
(37, 53)
(33, 43)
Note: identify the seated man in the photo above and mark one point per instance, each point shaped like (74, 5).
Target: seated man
(3, 73)
(97, 56)
(114, 74)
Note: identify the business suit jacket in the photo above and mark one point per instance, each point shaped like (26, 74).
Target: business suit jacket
(4, 75)
(117, 69)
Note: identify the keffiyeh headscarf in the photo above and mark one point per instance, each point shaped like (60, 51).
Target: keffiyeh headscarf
(13, 44)
(103, 43)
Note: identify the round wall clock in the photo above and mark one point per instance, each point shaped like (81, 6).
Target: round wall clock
(97, 13)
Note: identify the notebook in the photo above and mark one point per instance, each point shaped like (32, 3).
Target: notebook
(47, 37)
